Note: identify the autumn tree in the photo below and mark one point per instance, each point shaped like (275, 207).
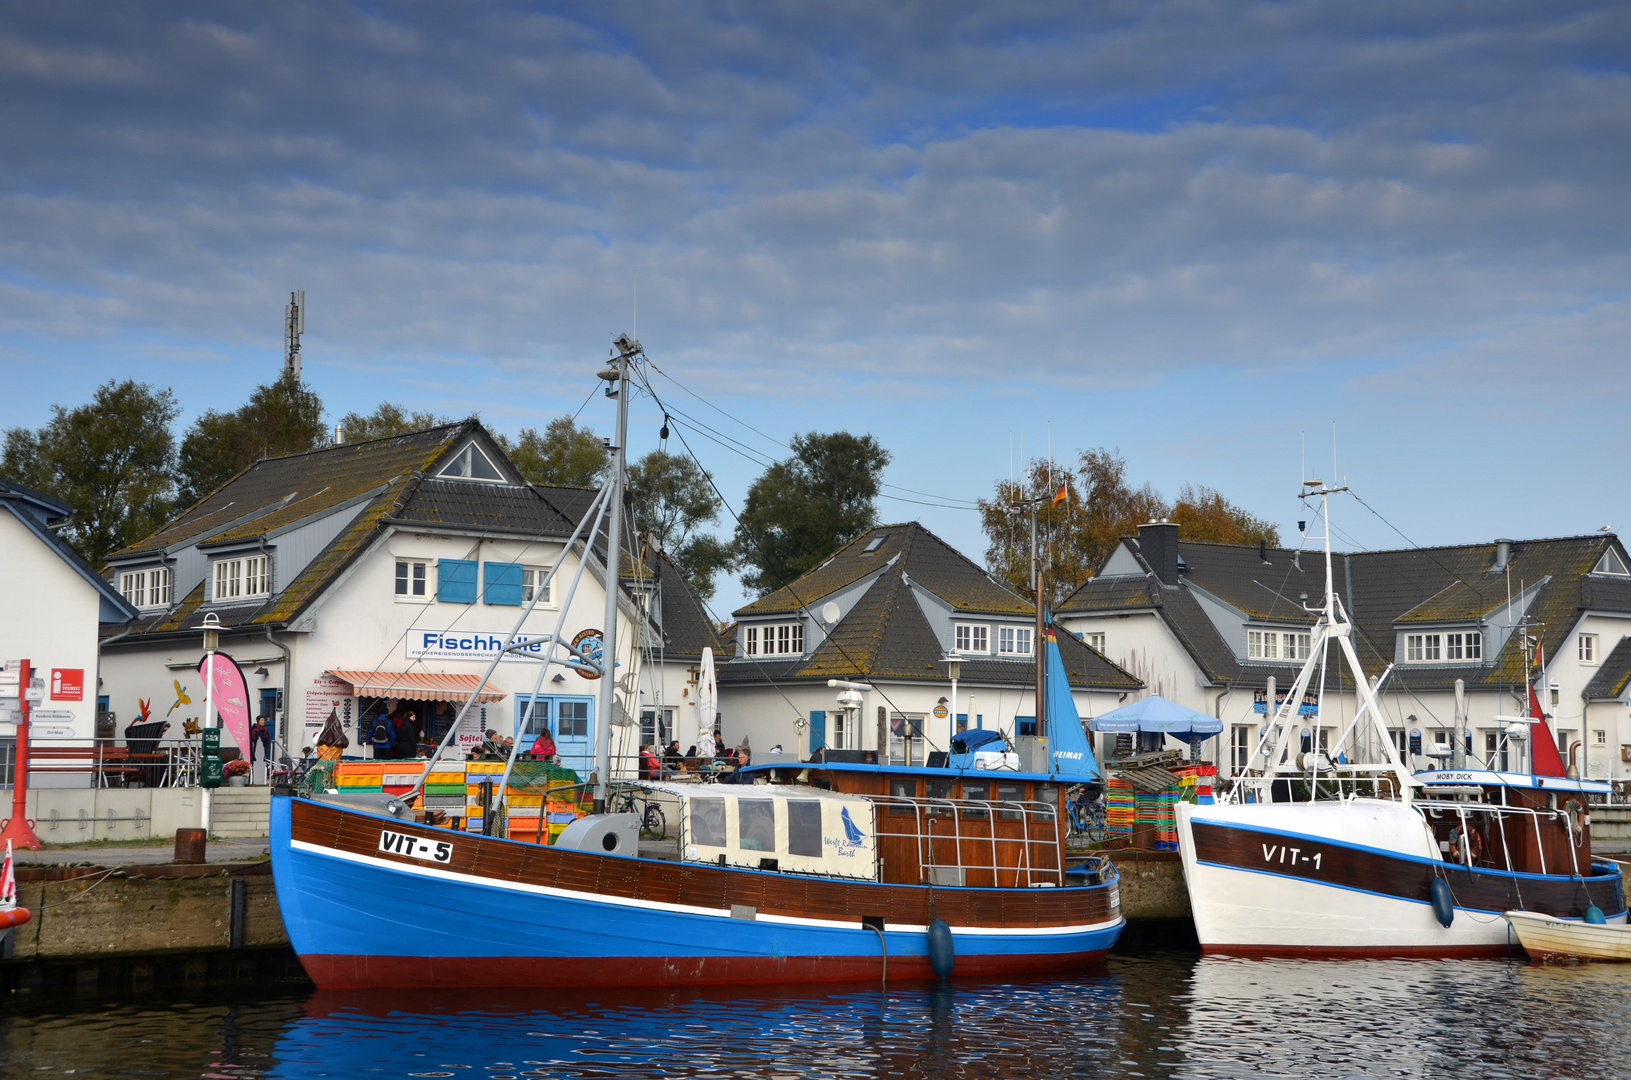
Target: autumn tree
(562, 455)
(388, 420)
(1077, 534)
(112, 460)
(671, 497)
(807, 506)
(285, 417)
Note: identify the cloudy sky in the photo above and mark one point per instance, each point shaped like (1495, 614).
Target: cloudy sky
(1197, 232)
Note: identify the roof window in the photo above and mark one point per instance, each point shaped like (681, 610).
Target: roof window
(877, 542)
(471, 464)
(1611, 563)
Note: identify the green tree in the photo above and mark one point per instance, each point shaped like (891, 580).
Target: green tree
(805, 507)
(112, 460)
(1101, 506)
(285, 417)
(387, 420)
(671, 497)
(564, 455)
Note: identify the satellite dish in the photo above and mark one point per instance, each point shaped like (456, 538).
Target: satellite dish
(830, 613)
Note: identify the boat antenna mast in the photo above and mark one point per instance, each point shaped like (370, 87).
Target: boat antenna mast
(625, 349)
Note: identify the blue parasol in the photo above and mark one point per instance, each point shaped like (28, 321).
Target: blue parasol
(1157, 714)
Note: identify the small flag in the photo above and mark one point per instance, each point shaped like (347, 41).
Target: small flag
(1059, 497)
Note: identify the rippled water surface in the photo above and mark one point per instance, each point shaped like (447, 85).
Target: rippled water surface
(1151, 1015)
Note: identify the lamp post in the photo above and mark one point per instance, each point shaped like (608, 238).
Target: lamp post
(954, 667)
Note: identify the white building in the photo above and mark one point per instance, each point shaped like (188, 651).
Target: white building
(52, 607)
(887, 611)
(382, 576)
(1207, 625)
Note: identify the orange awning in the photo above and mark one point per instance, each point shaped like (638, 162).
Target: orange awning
(417, 685)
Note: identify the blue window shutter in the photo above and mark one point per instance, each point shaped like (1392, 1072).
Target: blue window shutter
(456, 581)
(818, 729)
(503, 583)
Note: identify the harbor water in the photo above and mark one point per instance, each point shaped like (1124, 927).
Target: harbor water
(1154, 1014)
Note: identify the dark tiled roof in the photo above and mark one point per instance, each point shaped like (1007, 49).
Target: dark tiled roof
(1611, 679)
(929, 560)
(687, 629)
(280, 491)
(886, 637)
(498, 508)
(1380, 590)
(572, 502)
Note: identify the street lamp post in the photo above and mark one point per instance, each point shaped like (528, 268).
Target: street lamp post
(954, 667)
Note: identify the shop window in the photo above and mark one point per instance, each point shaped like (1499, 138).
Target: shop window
(456, 581)
(503, 584)
(708, 822)
(410, 579)
(804, 828)
(756, 824)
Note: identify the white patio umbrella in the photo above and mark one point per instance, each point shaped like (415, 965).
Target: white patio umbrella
(707, 704)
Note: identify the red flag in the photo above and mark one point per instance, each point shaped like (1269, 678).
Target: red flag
(1060, 496)
(1543, 744)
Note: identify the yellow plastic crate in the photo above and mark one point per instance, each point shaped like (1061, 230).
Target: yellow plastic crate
(441, 777)
(484, 767)
(525, 800)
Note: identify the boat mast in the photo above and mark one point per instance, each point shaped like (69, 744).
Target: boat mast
(1036, 642)
(616, 374)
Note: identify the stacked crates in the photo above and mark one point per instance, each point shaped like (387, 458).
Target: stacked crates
(1119, 810)
(1156, 815)
(1195, 783)
(357, 777)
(476, 773)
(454, 788)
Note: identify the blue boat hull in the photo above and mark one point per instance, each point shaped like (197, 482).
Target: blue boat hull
(357, 919)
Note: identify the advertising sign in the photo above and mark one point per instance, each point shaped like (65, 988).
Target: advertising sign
(324, 696)
(67, 684)
(231, 694)
(424, 644)
(473, 729)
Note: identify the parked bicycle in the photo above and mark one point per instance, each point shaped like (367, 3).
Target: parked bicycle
(653, 823)
(1085, 807)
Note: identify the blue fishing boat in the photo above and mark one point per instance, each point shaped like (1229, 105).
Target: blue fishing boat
(792, 875)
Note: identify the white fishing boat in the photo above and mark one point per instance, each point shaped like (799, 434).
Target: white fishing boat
(1547, 937)
(1342, 851)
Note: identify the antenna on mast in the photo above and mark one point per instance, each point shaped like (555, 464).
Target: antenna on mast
(294, 324)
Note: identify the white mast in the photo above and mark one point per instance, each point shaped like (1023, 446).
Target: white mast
(624, 350)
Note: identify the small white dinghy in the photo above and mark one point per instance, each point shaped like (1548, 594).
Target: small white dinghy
(1547, 937)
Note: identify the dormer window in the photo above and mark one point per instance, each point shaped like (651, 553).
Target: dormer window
(1014, 640)
(242, 578)
(972, 638)
(1438, 647)
(874, 544)
(1611, 563)
(146, 588)
(777, 639)
(471, 464)
(1277, 645)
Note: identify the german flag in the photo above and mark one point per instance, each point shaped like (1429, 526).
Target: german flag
(1061, 494)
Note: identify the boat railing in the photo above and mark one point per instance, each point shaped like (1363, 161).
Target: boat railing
(1463, 810)
(937, 822)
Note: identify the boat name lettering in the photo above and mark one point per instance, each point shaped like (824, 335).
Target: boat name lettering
(402, 844)
(1289, 855)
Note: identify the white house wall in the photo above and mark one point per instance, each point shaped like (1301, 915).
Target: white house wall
(49, 616)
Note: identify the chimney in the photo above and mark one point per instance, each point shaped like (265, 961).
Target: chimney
(1503, 556)
(339, 435)
(1158, 541)
(1263, 549)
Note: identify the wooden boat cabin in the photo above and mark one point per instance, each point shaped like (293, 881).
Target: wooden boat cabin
(1509, 821)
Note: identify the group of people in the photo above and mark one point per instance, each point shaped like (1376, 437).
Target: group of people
(727, 762)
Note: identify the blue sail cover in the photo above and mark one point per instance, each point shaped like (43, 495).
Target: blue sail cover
(1069, 752)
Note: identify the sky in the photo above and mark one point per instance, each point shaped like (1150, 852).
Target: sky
(1219, 238)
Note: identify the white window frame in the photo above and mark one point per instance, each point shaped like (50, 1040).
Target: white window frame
(1014, 641)
(146, 589)
(972, 638)
(426, 593)
(1094, 639)
(1587, 647)
(1462, 646)
(240, 577)
(465, 459)
(750, 640)
(531, 577)
(1424, 648)
(1262, 644)
(775, 639)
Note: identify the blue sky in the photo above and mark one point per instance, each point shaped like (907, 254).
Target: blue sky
(1200, 233)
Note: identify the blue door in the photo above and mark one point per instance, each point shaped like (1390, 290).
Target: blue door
(570, 721)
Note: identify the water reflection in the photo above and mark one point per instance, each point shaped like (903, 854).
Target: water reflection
(1159, 1015)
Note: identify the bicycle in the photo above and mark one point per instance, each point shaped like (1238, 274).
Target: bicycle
(1087, 818)
(652, 820)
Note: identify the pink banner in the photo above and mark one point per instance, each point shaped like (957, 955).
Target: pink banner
(231, 695)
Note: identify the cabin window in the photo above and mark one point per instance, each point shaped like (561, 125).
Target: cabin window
(976, 792)
(1048, 793)
(804, 828)
(756, 824)
(708, 822)
(1010, 793)
(938, 789)
(902, 789)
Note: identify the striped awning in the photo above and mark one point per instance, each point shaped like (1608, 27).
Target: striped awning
(417, 685)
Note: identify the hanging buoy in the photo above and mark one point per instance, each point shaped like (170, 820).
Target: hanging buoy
(941, 953)
(11, 917)
(1594, 915)
(1443, 902)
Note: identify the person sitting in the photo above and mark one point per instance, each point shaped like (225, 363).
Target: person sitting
(650, 767)
(492, 746)
(744, 757)
(673, 760)
(543, 747)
